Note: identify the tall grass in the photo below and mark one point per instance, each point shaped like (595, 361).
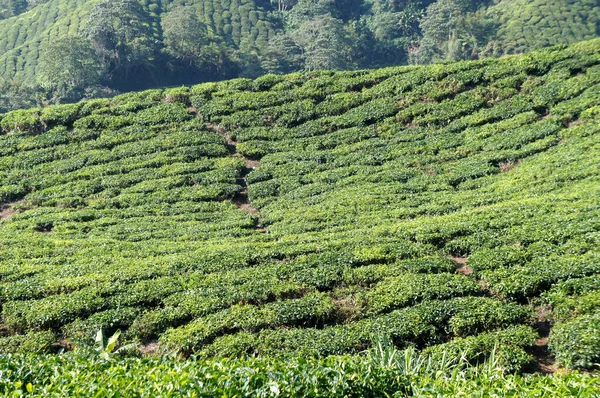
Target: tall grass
(383, 371)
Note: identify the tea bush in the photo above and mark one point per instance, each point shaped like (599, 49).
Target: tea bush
(301, 215)
(576, 343)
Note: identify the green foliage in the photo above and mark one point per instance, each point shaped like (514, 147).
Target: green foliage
(308, 310)
(21, 122)
(408, 373)
(18, 95)
(323, 43)
(84, 331)
(32, 342)
(132, 44)
(104, 346)
(576, 343)
(573, 297)
(10, 8)
(187, 39)
(120, 35)
(408, 289)
(538, 275)
(432, 205)
(506, 345)
(451, 33)
(169, 43)
(421, 325)
(527, 25)
(67, 67)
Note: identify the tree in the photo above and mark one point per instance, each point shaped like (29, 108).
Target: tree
(120, 34)
(184, 35)
(367, 51)
(284, 5)
(391, 19)
(10, 8)
(282, 55)
(67, 67)
(308, 10)
(347, 10)
(394, 26)
(451, 32)
(17, 95)
(34, 3)
(324, 44)
(188, 40)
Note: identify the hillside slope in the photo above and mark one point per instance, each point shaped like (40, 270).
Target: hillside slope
(531, 25)
(451, 207)
(170, 42)
(23, 36)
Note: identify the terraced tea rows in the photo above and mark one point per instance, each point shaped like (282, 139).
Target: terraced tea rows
(528, 25)
(441, 206)
(22, 37)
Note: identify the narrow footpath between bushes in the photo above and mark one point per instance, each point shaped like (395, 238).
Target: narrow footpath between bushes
(543, 360)
(241, 199)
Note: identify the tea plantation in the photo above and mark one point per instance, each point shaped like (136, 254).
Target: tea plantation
(527, 25)
(293, 222)
(23, 37)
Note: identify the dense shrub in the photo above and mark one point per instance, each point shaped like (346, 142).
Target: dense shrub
(303, 214)
(576, 343)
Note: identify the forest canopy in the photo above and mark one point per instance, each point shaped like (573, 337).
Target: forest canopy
(124, 45)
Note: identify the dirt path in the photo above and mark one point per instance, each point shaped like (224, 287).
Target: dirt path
(240, 200)
(7, 210)
(462, 265)
(543, 360)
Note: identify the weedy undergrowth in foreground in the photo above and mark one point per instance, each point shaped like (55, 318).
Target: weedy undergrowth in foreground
(105, 346)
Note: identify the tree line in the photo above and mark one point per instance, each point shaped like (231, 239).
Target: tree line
(124, 45)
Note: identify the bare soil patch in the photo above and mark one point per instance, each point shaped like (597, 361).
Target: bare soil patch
(543, 360)
(346, 309)
(6, 213)
(229, 140)
(241, 200)
(214, 127)
(7, 210)
(462, 265)
(65, 345)
(252, 163)
(150, 348)
(507, 166)
(575, 123)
